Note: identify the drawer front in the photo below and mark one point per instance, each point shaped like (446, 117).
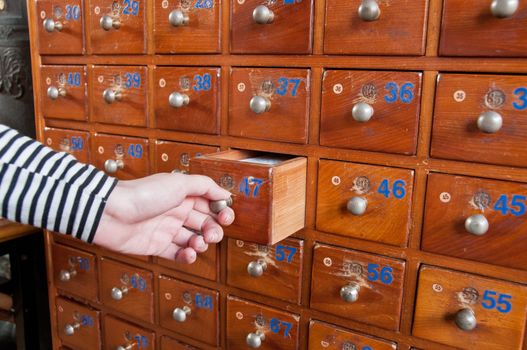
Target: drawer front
(117, 26)
(73, 142)
(269, 104)
(63, 92)
(327, 336)
(460, 310)
(275, 270)
(74, 271)
(471, 28)
(127, 289)
(248, 321)
(60, 26)
(364, 201)
(360, 286)
(121, 156)
(189, 310)
(371, 111)
(122, 335)
(375, 27)
(271, 27)
(175, 156)
(183, 26)
(481, 118)
(205, 266)
(476, 219)
(187, 99)
(171, 344)
(118, 95)
(78, 326)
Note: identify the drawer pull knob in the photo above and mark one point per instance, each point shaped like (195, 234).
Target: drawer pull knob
(466, 319)
(126, 347)
(50, 25)
(178, 100)
(350, 293)
(54, 92)
(259, 104)
(107, 23)
(66, 275)
(357, 205)
(254, 340)
(119, 293)
(504, 8)
(111, 166)
(180, 314)
(70, 329)
(477, 224)
(217, 206)
(490, 122)
(369, 10)
(263, 15)
(362, 112)
(256, 268)
(177, 18)
(110, 95)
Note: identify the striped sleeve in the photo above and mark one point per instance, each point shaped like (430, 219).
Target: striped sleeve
(50, 189)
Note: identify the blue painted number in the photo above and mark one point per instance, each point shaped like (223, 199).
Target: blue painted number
(203, 301)
(398, 188)
(77, 143)
(142, 341)
(204, 4)
(517, 206)
(246, 184)
(74, 79)
(283, 252)
(73, 12)
(130, 7)
(132, 80)
(138, 282)
(87, 321)
(521, 94)
(384, 274)
(283, 84)
(276, 326)
(84, 263)
(135, 150)
(500, 302)
(405, 93)
(202, 83)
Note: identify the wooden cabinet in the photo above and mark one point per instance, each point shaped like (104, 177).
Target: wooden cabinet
(120, 335)
(78, 326)
(73, 142)
(63, 92)
(175, 156)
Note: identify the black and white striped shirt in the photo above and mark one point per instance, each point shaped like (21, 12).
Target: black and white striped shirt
(49, 189)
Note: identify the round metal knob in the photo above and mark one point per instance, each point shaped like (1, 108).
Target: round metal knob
(177, 18)
(118, 293)
(362, 112)
(357, 205)
(490, 122)
(350, 293)
(127, 347)
(259, 104)
(466, 319)
(254, 340)
(50, 25)
(217, 206)
(107, 23)
(111, 166)
(180, 314)
(263, 15)
(110, 95)
(477, 224)
(69, 329)
(504, 8)
(256, 268)
(369, 10)
(54, 92)
(66, 275)
(177, 99)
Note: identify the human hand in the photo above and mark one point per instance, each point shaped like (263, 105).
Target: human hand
(160, 215)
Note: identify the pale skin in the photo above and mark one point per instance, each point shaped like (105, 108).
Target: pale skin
(161, 214)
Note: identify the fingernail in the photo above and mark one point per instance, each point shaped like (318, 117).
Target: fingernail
(228, 218)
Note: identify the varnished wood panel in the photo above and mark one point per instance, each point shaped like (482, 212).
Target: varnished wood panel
(120, 335)
(70, 82)
(171, 344)
(85, 322)
(76, 143)
(206, 264)
(175, 156)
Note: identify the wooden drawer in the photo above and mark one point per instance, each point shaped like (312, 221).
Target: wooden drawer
(127, 289)
(188, 309)
(118, 95)
(121, 156)
(470, 28)
(369, 27)
(476, 219)
(60, 26)
(250, 324)
(270, 104)
(183, 26)
(371, 111)
(448, 300)
(74, 271)
(271, 27)
(269, 192)
(187, 98)
(78, 326)
(360, 286)
(175, 156)
(481, 118)
(171, 344)
(122, 335)
(275, 270)
(117, 27)
(327, 336)
(73, 142)
(364, 201)
(206, 265)
(63, 92)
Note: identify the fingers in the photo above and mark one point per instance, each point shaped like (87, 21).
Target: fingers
(197, 243)
(212, 231)
(186, 256)
(199, 185)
